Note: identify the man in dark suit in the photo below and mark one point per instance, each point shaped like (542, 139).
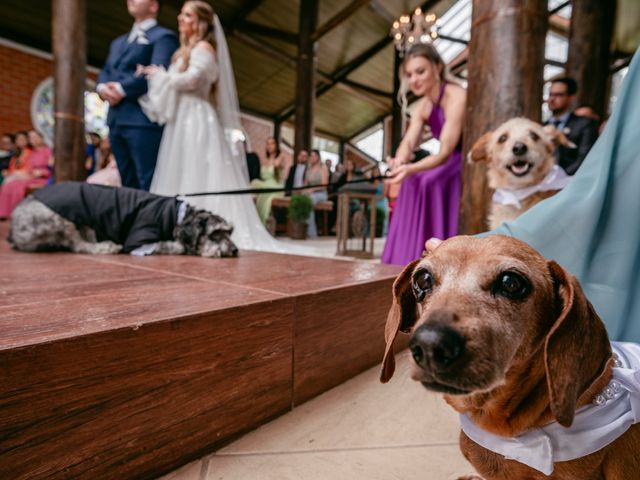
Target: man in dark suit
(581, 131)
(135, 140)
(295, 178)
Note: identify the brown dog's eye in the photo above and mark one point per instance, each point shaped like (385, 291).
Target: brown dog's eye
(511, 285)
(503, 138)
(422, 284)
(534, 136)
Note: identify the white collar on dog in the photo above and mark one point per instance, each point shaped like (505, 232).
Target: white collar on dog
(594, 426)
(556, 179)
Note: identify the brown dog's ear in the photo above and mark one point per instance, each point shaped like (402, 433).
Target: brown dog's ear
(479, 150)
(577, 347)
(557, 137)
(402, 316)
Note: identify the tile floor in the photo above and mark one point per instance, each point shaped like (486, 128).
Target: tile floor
(361, 429)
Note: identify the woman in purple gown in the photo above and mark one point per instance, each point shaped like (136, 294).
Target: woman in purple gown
(430, 193)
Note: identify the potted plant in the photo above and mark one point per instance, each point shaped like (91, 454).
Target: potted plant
(300, 208)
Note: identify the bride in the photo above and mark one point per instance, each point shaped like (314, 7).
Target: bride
(196, 99)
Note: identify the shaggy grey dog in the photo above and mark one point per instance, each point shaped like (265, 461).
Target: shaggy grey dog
(95, 219)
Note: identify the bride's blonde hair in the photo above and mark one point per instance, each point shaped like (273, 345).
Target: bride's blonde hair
(203, 30)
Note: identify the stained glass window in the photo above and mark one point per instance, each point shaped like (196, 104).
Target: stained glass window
(95, 110)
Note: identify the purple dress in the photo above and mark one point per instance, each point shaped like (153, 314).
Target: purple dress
(427, 205)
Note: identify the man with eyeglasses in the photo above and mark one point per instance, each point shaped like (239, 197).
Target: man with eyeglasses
(581, 131)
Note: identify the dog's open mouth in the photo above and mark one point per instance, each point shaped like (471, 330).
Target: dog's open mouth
(520, 167)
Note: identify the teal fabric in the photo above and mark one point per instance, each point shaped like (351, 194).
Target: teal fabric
(592, 227)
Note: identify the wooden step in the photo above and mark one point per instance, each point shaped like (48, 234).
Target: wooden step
(128, 367)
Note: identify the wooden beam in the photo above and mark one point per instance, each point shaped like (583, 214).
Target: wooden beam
(367, 97)
(274, 53)
(364, 92)
(397, 122)
(592, 26)
(342, 72)
(266, 31)
(69, 39)
(247, 7)
(506, 61)
(305, 78)
(338, 18)
(368, 89)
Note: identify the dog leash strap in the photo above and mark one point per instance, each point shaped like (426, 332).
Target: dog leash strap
(279, 189)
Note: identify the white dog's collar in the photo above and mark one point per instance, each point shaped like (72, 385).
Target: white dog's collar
(593, 428)
(556, 179)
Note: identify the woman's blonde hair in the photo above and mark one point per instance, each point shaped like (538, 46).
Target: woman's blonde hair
(203, 31)
(428, 52)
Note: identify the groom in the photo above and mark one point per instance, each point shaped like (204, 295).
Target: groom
(135, 140)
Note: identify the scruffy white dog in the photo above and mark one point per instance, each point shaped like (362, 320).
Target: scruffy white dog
(521, 167)
(97, 219)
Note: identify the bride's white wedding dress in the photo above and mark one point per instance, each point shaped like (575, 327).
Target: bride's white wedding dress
(194, 154)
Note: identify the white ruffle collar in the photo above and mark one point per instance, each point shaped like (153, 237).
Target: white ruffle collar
(594, 427)
(556, 179)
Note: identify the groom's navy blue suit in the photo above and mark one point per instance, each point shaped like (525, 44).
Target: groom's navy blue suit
(135, 140)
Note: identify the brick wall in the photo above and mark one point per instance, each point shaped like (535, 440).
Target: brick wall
(21, 73)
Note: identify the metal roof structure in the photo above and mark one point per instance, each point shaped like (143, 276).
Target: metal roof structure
(355, 54)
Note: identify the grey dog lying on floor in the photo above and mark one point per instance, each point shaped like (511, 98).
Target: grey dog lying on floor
(97, 219)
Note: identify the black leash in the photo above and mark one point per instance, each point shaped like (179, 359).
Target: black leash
(281, 189)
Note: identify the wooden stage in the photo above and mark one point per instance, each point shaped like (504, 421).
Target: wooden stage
(126, 367)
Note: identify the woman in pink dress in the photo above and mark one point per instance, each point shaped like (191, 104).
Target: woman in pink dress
(36, 174)
(429, 198)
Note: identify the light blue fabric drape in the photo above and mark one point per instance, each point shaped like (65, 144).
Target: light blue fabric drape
(592, 227)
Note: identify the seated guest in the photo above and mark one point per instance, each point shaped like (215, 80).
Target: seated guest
(7, 151)
(295, 177)
(33, 172)
(253, 161)
(22, 151)
(92, 153)
(271, 176)
(581, 131)
(315, 174)
(107, 173)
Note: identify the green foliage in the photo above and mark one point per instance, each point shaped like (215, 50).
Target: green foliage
(300, 208)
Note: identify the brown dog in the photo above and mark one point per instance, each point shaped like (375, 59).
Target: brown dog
(521, 167)
(514, 345)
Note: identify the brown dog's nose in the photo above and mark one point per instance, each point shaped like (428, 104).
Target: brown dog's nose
(436, 346)
(519, 148)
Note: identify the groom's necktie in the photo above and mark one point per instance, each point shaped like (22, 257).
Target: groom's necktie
(133, 34)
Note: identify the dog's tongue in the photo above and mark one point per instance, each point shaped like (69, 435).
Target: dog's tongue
(519, 167)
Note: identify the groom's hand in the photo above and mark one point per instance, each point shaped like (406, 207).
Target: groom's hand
(111, 93)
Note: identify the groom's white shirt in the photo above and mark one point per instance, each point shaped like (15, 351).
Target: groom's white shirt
(138, 29)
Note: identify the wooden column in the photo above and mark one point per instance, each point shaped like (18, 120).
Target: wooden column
(70, 53)
(592, 23)
(506, 62)
(305, 82)
(396, 109)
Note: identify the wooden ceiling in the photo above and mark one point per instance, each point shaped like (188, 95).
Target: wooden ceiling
(354, 52)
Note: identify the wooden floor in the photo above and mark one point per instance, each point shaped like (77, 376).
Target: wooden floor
(126, 367)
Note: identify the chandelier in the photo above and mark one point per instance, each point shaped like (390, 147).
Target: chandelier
(417, 28)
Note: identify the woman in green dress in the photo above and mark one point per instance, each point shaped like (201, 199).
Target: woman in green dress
(271, 176)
